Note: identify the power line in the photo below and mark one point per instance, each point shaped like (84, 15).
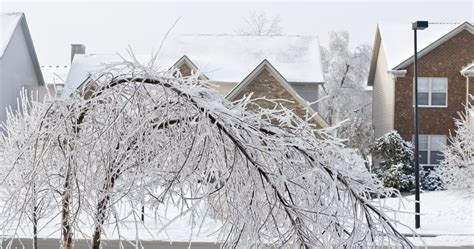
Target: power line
(445, 23)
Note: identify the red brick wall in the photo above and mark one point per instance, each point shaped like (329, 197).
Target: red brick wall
(444, 61)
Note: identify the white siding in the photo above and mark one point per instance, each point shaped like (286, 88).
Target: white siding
(16, 71)
(383, 97)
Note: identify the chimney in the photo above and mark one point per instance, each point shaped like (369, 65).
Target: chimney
(77, 49)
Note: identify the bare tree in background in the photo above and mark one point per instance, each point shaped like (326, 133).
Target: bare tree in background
(345, 97)
(259, 23)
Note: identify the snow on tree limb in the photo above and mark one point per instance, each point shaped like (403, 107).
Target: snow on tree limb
(137, 137)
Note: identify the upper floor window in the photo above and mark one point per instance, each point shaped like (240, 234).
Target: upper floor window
(430, 149)
(432, 92)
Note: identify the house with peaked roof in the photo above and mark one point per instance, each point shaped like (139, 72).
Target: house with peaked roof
(266, 81)
(276, 67)
(19, 67)
(445, 71)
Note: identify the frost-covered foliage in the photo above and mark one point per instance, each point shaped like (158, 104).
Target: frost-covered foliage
(396, 169)
(25, 181)
(344, 93)
(431, 179)
(138, 136)
(259, 23)
(459, 154)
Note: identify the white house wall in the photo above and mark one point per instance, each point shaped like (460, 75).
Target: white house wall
(16, 71)
(383, 97)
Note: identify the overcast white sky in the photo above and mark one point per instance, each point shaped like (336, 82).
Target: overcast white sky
(110, 26)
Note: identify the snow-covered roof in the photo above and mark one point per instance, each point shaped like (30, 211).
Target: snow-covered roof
(223, 58)
(398, 47)
(84, 65)
(55, 74)
(397, 39)
(233, 57)
(8, 24)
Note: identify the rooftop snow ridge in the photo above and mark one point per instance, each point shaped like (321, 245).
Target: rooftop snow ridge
(223, 57)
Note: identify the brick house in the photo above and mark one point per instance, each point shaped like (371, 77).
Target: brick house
(445, 70)
(276, 67)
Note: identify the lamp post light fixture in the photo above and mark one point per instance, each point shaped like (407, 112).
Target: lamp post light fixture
(418, 25)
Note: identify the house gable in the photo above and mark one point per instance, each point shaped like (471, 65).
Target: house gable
(446, 60)
(188, 68)
(266, 81)
(465, 27)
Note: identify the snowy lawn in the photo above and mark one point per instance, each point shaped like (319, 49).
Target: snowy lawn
(447, 220)
(448, 215)
(167, 223)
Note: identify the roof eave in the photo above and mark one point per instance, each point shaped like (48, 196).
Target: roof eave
(375, 55)
(468, 73)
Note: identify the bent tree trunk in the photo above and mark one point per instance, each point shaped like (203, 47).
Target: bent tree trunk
(102, 206)
(66, 213)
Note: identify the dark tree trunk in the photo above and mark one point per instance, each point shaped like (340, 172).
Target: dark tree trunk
(102, 206)
(66, 214)
(35, 227)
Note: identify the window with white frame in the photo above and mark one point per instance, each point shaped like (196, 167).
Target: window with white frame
(430, 149)
(432, 92)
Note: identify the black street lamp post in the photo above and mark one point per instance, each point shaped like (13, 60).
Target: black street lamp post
(418, 25)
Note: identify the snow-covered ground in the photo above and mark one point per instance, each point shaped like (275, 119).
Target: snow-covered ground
(447, 215)
(168, 223)
(447, 219)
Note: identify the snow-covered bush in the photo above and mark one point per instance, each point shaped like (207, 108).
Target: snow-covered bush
(459, 154)
(396, 168)
(431, 179)
(136, 135)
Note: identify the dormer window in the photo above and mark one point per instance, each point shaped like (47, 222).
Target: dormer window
(432, 92)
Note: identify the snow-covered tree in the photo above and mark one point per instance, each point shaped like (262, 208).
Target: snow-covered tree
(25, 182)
(344, 94)
(432, 179)
(33, 168)
(396, 168)
(459, 154)
(135, 135)
(259, 23)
